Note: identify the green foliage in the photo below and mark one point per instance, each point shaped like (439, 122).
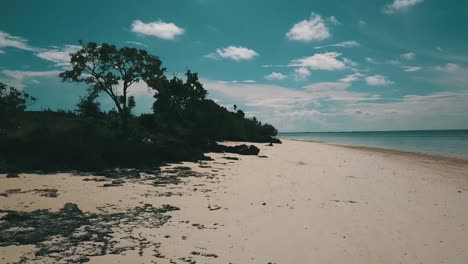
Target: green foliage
(183, 125)
(12, 104)
(107, 69)
(88, 106)
(175, 96)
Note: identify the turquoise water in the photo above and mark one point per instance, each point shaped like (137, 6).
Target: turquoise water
(452, 143)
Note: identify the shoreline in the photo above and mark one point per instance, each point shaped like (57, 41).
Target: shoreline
(300, 203)
(421, 155)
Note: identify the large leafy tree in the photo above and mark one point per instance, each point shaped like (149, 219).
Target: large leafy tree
(111, 70)
(175, 96)
(12, 103)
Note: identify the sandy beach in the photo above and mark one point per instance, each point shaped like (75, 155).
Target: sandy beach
(300, 202)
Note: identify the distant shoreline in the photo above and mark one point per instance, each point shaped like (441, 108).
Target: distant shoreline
(414, 154)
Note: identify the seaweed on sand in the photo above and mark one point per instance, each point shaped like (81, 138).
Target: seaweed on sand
(71, 235)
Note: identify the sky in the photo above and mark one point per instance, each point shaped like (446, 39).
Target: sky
(312, 65)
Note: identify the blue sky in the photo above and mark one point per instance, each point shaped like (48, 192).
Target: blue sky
(300, 65)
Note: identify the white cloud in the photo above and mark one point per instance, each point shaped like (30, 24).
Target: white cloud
(60, 56)
(233, 53)
(159, 29)
(19, 75)
(451, 75)
(264, 95)
(399, 5)
(344, 44)
(7, 40)
(330, 106)
(352, 77)
(361, 23)
(135, 43)
(236, 81)
(440, 110)
(276, 76)
(408, 56)
(411, 68)
(315, 107)
(393, 62)
(370, 60)
(377, 80)
(309, 30)
(334, 21)
(301, 73)
(213, 56)
(449, 67)
(18, 78)
(326, 86)
(320, 61)
(350, 62)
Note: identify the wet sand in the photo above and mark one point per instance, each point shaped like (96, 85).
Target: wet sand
(306, 202)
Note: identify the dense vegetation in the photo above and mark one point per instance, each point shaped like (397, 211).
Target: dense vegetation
(183, 125)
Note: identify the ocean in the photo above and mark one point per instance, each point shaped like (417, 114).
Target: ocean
(451, 143)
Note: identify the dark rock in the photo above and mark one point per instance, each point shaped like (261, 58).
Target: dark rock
(12, 175)
(114, 183)
(275, 140)
(241, 149)
(231, 158)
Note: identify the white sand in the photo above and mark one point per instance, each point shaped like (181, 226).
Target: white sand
(322, 204)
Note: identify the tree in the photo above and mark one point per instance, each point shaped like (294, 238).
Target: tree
(12, 103)
(88, 106)
(176, 96)
(105, 68)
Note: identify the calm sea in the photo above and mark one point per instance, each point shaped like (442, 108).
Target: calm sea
(452, 143)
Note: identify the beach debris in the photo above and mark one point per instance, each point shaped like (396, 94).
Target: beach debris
(263, 156)
(348, 201)
(78, 235)
(208, 255)
(188, 260)
(213, 208)
(175, 176)
(51, 193)
(199, 226)
(10, 192)
(231, 158)
(96, 179)
(301, 163)
(263, 203)
(123, 173)
(114, 183)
